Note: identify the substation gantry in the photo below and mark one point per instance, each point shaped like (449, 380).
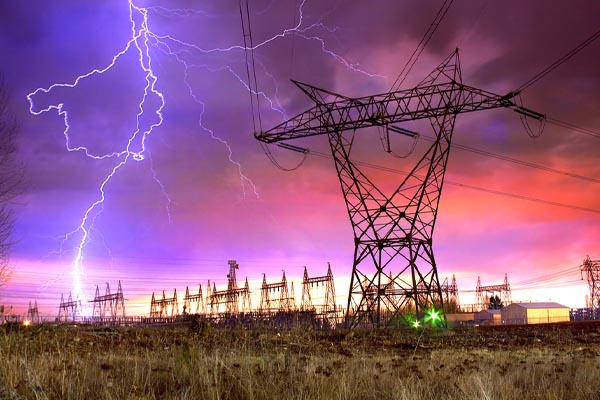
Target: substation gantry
(230, 297)
(450, 295)
(327, 312)
(108, 307)
(492, 296)
(592, 272)
(190, 298)
(392, 231)
(33, 314)
(275, 297)
(68, 310)
(159, 307)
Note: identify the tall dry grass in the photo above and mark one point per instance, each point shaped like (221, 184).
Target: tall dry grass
(76, 362)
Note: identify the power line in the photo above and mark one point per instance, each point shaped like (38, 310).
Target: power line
(473, 187)
(558, 62)
(253, 84)
(522, 197)
(252, 81)
(554, 279)
(424, 40)
(517, 161)
(573, 127)
(547, 278)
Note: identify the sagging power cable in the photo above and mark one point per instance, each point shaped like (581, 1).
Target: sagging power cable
(558, 62)
(422, 44)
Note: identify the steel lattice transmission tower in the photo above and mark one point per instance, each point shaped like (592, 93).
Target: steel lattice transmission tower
(394, 270)
(592, 271)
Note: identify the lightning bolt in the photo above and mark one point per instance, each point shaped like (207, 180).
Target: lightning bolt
(135, 147)
(149, 116)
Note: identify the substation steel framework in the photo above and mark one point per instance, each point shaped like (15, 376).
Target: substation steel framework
(483, 294)
(392, 231)
(33, 314)
(592, 271)
(197, 298)
(274, 304)
(68, 310)
(110, 305)
(231, 296)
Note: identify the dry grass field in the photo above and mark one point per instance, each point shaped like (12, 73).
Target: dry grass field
(81, 362)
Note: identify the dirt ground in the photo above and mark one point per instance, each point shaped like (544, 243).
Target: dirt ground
(554, 361)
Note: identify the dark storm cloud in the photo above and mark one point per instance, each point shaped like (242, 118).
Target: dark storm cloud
(21, 25)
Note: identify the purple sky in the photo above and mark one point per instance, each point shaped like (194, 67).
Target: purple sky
(205, 191)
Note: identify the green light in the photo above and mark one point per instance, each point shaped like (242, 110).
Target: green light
(434, 315)
(416, 324)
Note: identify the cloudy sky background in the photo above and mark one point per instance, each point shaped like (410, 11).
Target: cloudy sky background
(205, 191)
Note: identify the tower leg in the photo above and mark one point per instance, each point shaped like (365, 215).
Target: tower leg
(394, 272)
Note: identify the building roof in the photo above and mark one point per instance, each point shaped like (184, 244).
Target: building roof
(493, 312)
(549, 304)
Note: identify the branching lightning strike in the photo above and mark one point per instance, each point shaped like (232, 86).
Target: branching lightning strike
(143, 42)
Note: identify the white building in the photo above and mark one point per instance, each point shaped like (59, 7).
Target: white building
(534, 313)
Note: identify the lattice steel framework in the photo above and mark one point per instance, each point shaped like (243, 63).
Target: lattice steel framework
(33, 314)
(327, 310)
(69, 309)
(484, 293)
(235, 299)
(110, 305)
(392, 231)
(450, 292)
(281, 302)
(196, 298)
(592, 271)
(159, 307)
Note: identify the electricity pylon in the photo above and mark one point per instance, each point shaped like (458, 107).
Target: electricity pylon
(395, 231)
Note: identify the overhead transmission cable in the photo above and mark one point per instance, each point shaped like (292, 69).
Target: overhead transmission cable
(551, 68)
(516, 161)
(554, 279)
(546, 278)
(252, 81)
(573, 127)
(473, 187)
(246, 33)
(253, 89)
(422, 44)
(558, 62)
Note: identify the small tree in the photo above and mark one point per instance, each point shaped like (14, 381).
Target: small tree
(495, 303)
(11, 177)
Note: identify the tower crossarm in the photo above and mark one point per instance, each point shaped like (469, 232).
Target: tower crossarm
(317, 279)
(108, 297)
(274, 286)
(494, 288)
(425, 101)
